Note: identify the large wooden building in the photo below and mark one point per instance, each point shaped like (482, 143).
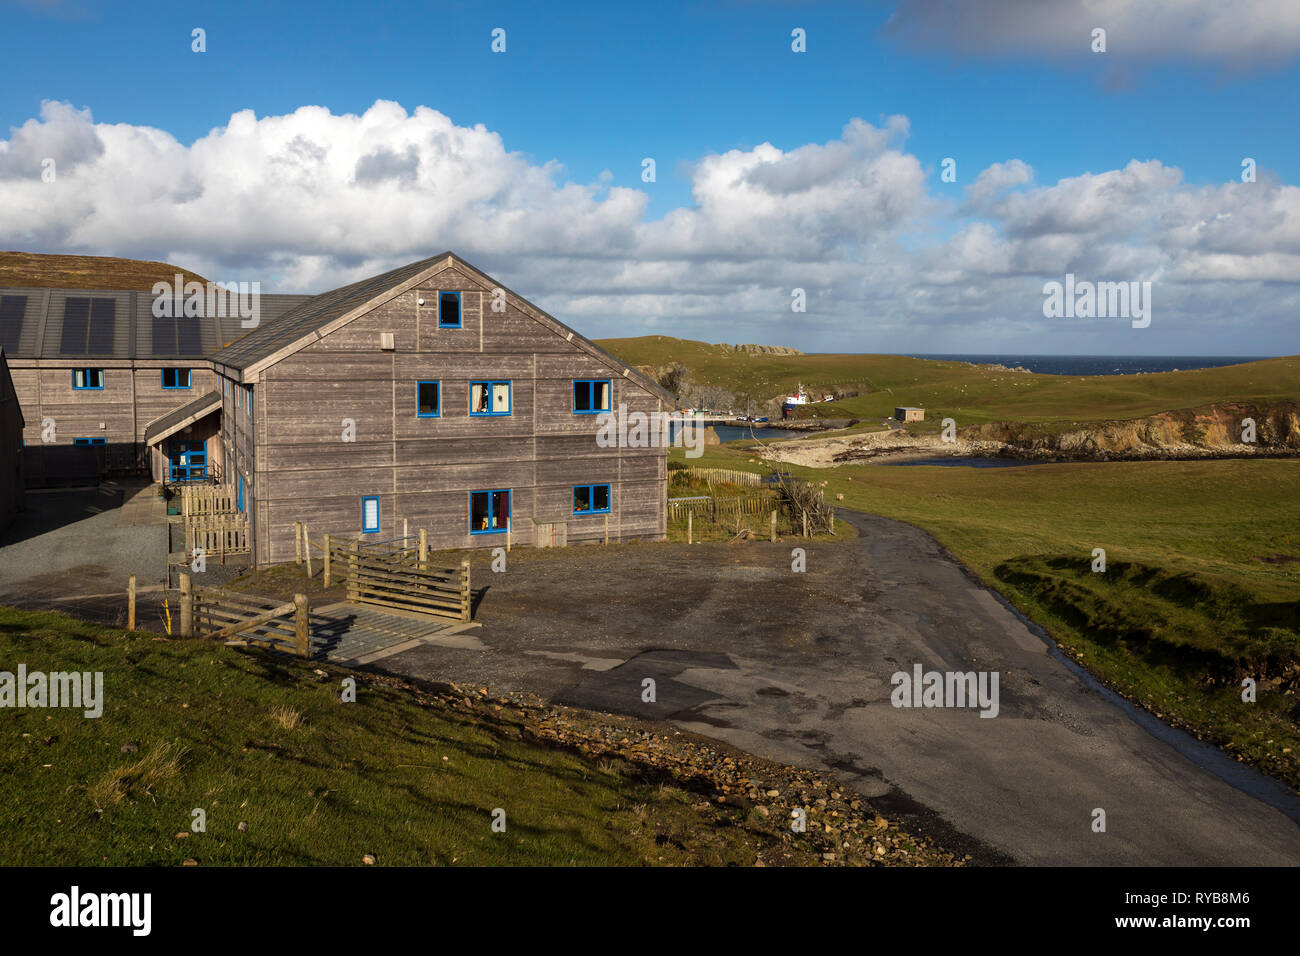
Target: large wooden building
(433, 394)
(429, 393)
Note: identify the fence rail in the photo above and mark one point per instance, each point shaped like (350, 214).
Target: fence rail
(399, 582)
(207, 500)
(394, 573)
(722, 508)
(728, 475)
(217, 535)
(246, 618)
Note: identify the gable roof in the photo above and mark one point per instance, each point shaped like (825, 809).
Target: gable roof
(96, 324)
(314, 313)
(178, 418)
(328, 311)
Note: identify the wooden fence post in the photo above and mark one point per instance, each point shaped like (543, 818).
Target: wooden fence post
(306, 547)
(774, 527)
(297, 542)
(326, 542)
(406, 533)
(424, 548)
(690, 527)
(509, 523)
(832, 521)
(300, 624)
(464, 590)
(805, 524)
(187, 607)
(353, 592)
(130, 604)
(607, 529)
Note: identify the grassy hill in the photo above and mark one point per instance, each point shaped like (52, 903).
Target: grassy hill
(289, 774)
(19, 269)
(968, 393)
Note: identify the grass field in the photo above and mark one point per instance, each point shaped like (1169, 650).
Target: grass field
(266, 741)
(969, 394)
(1202, 580)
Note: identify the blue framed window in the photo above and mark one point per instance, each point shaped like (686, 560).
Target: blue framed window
(489, 511)
(239, 493)
(370, 514)
(248, 400)
(87, 378)
(591, 499)
(428, 400)
(489, 398)
(591, 395)
(187, 460)
(90, 441)
(449, 310)
(176, 378)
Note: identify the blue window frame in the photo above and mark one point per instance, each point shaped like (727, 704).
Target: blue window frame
(591, 499)
(449, 310)
(90, 441)
(187, 460)
(87, 378)
(489, 511)
(489, 398)
(370, 514)
(176, 378)
(239, 492)
(591, 395)
(428, 399)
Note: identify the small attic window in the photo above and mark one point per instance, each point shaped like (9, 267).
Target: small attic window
(448, 310)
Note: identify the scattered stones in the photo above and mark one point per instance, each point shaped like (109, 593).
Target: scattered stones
(369, 859)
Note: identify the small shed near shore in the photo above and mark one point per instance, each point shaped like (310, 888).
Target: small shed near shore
(909, 413)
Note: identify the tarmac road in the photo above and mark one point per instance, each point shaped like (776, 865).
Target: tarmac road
(797, 667)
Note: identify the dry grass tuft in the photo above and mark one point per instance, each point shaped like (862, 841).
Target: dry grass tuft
(161, 763)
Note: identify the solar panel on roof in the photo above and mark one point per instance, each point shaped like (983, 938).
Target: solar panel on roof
(164, 335)
(189, 340)
(76, 325)
(89, 326)
(103, 326)
(12, 310)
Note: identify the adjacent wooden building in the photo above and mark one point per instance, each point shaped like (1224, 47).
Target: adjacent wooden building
(11, 447)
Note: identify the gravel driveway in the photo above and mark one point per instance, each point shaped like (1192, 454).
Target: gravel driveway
(797, 667)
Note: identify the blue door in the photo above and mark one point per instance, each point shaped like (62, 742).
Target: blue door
(188, 460)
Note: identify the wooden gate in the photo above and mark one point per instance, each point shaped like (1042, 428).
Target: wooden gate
(408, 584)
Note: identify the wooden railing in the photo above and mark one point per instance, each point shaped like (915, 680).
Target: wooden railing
(728, 475)
(722, 508)
(239, 618)
(218, 535)
(394, 573)
(206, 500)
(403, 584)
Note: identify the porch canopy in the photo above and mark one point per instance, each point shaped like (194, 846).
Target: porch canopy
(178, 418)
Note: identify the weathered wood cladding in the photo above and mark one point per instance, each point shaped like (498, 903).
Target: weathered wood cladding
(11, 451)
(423, 469)
(131, 398)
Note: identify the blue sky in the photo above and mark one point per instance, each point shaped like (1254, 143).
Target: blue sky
(595, 88)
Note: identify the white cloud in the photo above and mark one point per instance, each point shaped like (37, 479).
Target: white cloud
(310, 200)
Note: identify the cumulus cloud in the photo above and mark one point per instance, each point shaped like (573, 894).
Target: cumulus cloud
(1237, 33)
(310, 200)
